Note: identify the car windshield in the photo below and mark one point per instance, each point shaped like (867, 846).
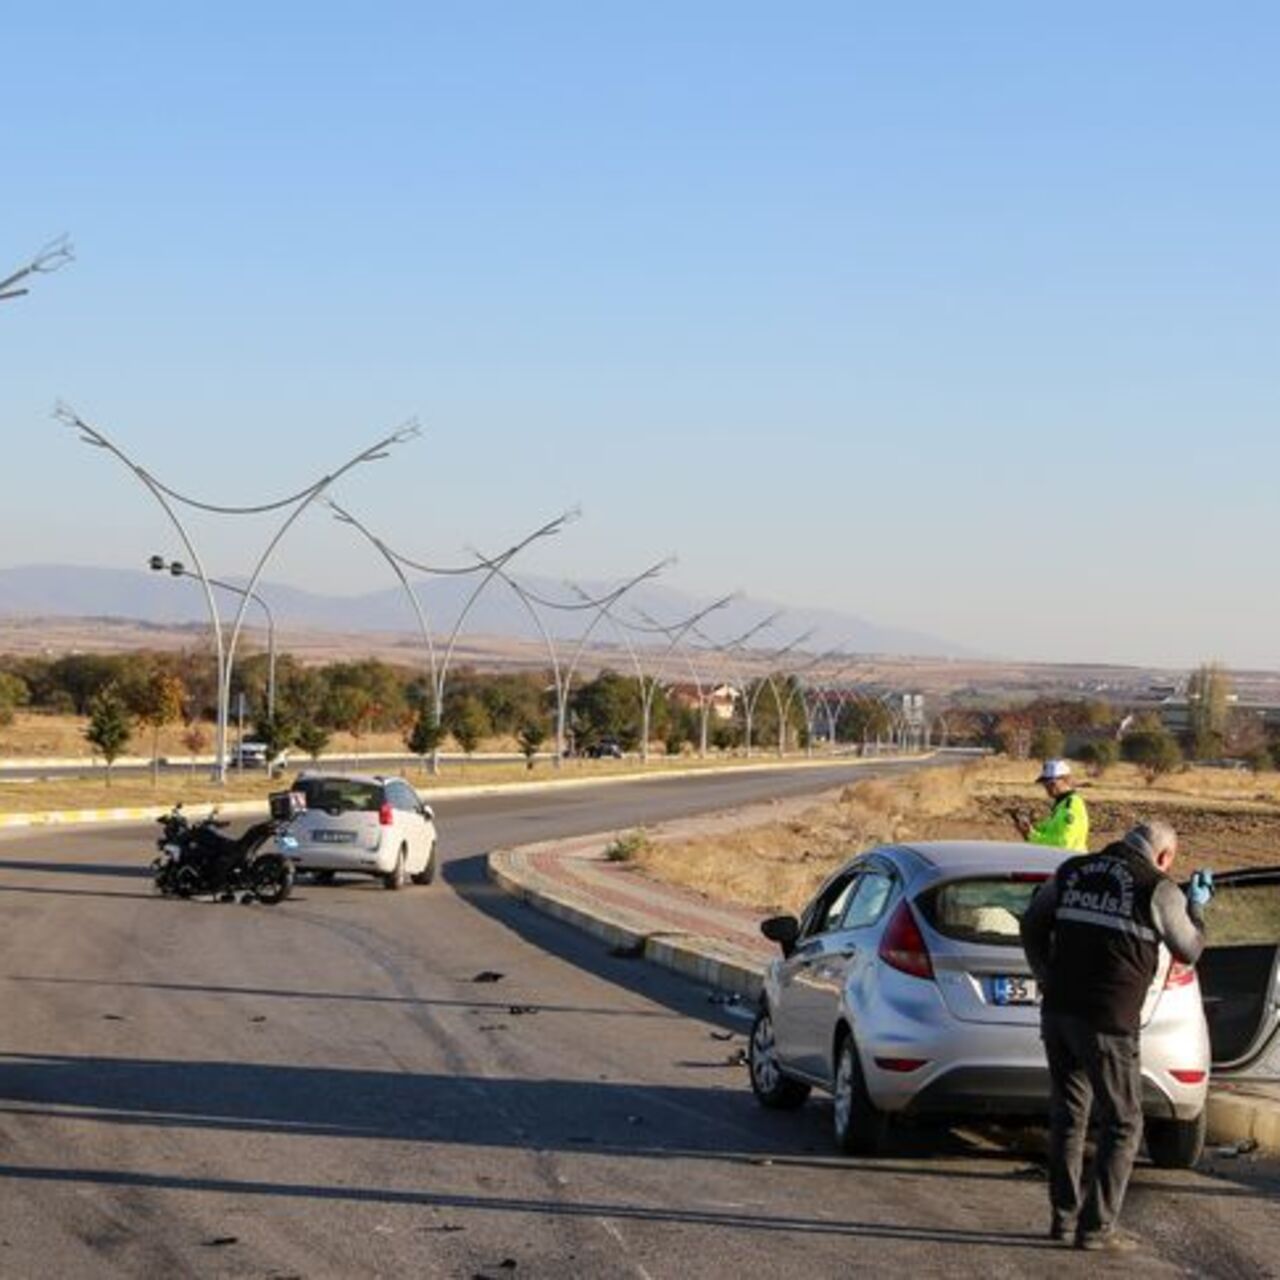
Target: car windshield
(984, 909)
(340, 795)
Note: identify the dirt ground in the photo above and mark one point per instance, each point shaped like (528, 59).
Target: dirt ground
(1224, 820)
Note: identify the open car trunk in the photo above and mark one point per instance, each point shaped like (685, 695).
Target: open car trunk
(1240, 974)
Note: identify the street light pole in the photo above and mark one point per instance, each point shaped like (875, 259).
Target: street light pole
(169, 499)
(57, 253)
(178, 570)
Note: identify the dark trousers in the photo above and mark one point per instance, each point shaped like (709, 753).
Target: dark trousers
(1088, 1067)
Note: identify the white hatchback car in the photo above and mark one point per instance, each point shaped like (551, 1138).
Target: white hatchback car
(366, 825)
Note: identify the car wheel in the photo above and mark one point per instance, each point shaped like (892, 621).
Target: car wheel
(860, 1125)
(396, 878)
(428, 872)
(774, 1090)
(1176, 1144)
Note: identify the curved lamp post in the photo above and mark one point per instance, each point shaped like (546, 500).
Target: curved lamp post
(170, 499)
(176, 569)
(490, 568)
(562, 674)
(56, 254)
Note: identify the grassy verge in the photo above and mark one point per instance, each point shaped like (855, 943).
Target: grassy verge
(1224, 820)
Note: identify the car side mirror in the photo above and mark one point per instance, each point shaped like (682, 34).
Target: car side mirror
(784, 930)
(428, 812)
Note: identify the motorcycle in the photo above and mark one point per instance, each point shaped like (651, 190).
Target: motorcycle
(196, 858)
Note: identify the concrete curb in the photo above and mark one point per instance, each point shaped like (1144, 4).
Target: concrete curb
(234, 808)
(1235, 1118)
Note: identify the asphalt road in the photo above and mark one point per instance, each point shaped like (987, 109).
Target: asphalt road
(324, 1089)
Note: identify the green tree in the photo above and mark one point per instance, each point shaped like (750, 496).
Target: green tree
(1208, 702)
(311, 738)
(14, 693)
(109, 725)
(277, 733)
(425, 735)
(1048, 741)
(532, 734)
(468, 724)
(1099, 755)
(1154, 751)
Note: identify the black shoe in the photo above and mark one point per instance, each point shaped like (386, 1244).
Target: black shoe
(1111, 1241)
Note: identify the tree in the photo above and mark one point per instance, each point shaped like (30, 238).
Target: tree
(1208, 700)
(530, 737)
(468, 724)
(425, 735)
(194, 739)
(311, 738)
(1099, 755)
(14, 693)
(1048, 741)
(277, 733)
(1154, 751)
(109, 725)
(158, 701)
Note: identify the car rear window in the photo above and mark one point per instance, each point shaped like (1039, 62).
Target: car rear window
(340, 795)
(984, 909)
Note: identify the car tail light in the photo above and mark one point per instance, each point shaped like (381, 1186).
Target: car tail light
(902, 946)
(1179, 975)
(901, 1064)
(385, 815)
(1187, 1076)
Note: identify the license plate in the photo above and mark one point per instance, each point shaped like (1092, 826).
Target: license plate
(334, 837)
(1014, 990)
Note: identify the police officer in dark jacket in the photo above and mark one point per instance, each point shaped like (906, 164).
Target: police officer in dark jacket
(1092, 935)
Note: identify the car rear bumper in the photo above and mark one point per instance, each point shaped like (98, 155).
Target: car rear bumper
(1024, 1092)
(350, 858)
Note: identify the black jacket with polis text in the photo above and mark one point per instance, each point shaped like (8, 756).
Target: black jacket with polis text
(1093, 935)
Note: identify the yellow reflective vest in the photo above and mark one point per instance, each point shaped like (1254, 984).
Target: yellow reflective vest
(1066, 827)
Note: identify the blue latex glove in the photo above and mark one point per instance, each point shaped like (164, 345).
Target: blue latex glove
(1200, 888)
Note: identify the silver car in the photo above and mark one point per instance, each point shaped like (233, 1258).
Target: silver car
(903, 990)
(368, 825)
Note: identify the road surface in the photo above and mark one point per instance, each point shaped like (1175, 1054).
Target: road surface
(327, 1089)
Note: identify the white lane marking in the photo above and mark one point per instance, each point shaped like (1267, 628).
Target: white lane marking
(613, 1231)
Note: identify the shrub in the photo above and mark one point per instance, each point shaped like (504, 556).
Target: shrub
(1099, 756)
(1048, 742)
(1154, 751)
(625, 848)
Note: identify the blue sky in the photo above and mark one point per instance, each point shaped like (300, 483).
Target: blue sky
(958, 317)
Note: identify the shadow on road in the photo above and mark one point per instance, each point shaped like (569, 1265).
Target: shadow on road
(54, 866)
(754, 1221)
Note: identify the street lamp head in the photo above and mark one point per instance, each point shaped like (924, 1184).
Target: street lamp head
(177, 568)
(157, 564)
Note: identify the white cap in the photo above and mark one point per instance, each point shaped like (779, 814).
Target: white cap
(1054, 769)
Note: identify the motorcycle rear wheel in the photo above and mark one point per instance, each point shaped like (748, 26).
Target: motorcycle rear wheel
(271, 878)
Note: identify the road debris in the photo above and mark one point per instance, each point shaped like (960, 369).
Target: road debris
(488, 975)
(519, 1010)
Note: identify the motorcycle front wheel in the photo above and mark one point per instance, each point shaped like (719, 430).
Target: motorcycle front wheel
(271, 878)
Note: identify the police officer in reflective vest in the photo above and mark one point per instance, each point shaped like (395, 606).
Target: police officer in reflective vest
(1067, 826)
(1092, 935)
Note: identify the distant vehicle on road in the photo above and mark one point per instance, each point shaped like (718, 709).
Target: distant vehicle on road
(255, 755)
(605, 749)
(903, 990)
(363, 825)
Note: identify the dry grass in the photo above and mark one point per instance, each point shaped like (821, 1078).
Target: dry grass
(1224, 820)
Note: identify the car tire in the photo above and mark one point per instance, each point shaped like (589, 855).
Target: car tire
(428, 872)
(396, 877)
(860, 1126)
(772, 1088)
(1176, 1144)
